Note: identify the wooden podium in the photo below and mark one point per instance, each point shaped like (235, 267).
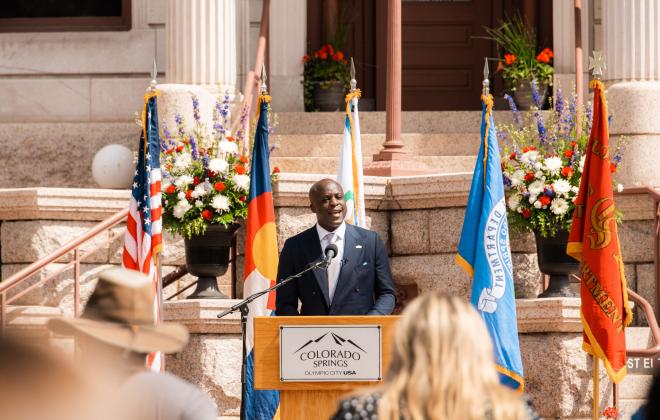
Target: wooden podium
(308, 400)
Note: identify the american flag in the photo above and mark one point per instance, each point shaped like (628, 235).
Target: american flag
(144, 226)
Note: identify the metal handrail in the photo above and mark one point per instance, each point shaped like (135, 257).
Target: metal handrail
(74, 245)
(653, 324)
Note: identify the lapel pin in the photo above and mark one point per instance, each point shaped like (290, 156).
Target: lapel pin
(358, 246)
(364, 263)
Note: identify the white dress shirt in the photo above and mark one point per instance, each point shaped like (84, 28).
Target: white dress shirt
(336, 237)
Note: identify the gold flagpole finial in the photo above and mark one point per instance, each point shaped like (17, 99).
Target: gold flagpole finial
(486, 82)
(353, 81)
(597, 64)
(264, 77)
(154, 73)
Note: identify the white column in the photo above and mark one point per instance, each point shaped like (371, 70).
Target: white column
(287, 45)
(631, 44)
(201, 43)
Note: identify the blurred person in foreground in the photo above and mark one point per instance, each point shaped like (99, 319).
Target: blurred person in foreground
(442, 368)
(115, 333)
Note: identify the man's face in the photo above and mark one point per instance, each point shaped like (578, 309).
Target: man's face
(327, 202)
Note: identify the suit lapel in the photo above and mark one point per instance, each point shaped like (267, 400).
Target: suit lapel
(353, 249)
(313, 253)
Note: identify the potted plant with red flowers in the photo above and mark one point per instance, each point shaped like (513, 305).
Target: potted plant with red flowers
(325, 79)
(522, 63)
(543, 158)
(205, 186)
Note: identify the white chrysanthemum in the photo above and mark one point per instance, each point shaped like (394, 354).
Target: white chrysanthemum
(619, 187)
(181, 195)
(561, 186)
(220, 202)
(514, 201)
(532, 198)
(529, 157)
(199, 191)
(227, 146)
(538, 165)
(537, 204)
(183, 181)
(559, 206)
(218, 165)
(181, 208)
(575, 189)
(582, 163)
(553, 165)
(539, 175)
(536, 187)
(183, 161)
(242, 182)
(517, 178)
(199, 203)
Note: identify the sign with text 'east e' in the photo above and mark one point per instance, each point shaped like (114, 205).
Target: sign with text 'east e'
(322, 353)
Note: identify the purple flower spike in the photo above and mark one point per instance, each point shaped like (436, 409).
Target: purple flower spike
(195, 102)
(536, 98)
(514, 108)
(193, 147)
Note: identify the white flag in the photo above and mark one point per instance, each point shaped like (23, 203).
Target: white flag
(350, 165)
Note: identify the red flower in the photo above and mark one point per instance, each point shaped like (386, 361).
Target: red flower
(195, 180)
(240, 169)
(242, 198)
(528, 149)
(179, 148)
(338, 56)
(545, 200)
(543, 57)
(529, 176)
(219, 186)
(189, 194)
(612, 167)
(169, 151)
(328, 49)
(207, 214)
(170, 189)
(573, 144)
(548, 52)
(276, 170)
(316, 54)
(611, 413)
(568, 153)
(323, 55)
(526, 213)
(510, 59)
(512, 156)
(210, 174)
(567, 171)
(306, 58)
(230, 139)
(243, 159)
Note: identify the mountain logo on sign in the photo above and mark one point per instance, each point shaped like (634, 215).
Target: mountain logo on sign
(340, 341)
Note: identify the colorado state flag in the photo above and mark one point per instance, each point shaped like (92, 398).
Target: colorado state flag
(261, 259)
(484, 253)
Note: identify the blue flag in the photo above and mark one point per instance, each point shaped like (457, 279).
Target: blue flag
(484, 253)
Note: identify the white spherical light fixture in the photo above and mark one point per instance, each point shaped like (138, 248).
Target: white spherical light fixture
(113, 167)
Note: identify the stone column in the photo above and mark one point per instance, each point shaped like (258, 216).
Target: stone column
(631, 44)
(201, 43)
(286, 48)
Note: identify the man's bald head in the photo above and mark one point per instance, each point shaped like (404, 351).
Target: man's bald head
(326, 200)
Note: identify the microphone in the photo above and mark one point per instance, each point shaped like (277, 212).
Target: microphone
(331, 251)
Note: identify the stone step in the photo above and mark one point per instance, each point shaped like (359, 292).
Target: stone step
(330, 165)
(422, 144)
(374, 122)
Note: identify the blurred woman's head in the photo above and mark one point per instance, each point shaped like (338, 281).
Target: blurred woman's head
(442, 366)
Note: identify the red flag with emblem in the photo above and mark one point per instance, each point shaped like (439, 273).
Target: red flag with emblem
(594, 241)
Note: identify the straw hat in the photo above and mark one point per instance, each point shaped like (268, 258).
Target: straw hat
(120, 313)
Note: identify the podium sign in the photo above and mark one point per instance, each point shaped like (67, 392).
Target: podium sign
(323, 353)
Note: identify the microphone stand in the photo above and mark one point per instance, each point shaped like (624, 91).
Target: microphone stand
(242, 306)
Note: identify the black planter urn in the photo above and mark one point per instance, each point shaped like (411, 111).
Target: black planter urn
(207, 257)
(329, 96)
(553, 261)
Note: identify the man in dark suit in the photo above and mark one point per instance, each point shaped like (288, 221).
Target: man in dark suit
(358, 280)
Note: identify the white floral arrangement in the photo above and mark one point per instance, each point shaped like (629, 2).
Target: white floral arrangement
(205, 179)
(543, 163)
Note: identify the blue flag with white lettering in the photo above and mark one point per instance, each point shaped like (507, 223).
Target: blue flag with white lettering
(484, 253)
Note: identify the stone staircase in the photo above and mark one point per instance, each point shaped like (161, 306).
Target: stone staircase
(446, 141)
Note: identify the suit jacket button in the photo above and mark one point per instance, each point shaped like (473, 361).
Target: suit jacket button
(313, 293)
(357, 289)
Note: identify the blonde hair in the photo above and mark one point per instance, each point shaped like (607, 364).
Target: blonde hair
(442, 366)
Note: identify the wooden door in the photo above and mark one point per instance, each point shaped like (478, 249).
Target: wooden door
(442, 61)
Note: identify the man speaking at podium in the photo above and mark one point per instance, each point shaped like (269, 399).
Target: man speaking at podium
(358, 279)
